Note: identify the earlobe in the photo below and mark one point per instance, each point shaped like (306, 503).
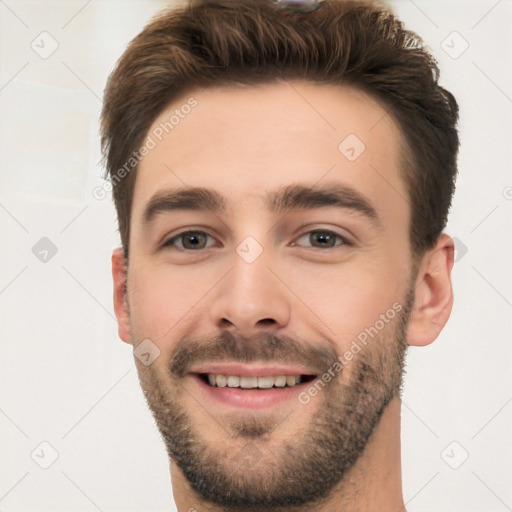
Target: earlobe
(119, 276)
(433, 294)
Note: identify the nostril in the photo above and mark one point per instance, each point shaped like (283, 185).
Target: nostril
(267, 321)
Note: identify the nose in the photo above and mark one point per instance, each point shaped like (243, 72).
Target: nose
(250, 300)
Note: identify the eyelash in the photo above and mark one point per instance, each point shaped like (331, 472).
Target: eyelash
(344, 241)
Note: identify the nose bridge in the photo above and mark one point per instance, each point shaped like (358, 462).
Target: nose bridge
(250, 298)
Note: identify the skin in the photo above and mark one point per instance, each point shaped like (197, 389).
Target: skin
(245, 142)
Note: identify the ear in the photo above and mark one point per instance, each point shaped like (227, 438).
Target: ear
(119, 275)
(433, 294)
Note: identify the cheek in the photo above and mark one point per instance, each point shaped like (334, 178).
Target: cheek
(165, 298)
(347, 298)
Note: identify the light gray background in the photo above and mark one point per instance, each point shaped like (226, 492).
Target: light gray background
(67, 380)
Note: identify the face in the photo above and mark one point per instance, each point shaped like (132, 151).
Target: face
(270, 269)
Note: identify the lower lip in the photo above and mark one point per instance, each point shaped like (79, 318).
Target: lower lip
(250, 398)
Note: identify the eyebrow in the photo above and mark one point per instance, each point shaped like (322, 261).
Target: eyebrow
(297, 197)
(191, 198)
(282, 200)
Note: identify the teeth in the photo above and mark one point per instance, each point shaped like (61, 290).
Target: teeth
(291, 380)
(280, 382)
(265, 382)
(233, 381)
(221, 381)
(248, 382)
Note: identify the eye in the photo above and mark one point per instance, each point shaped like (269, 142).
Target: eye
(322, 239)
(190, 240)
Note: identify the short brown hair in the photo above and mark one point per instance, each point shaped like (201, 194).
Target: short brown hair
(216, 42)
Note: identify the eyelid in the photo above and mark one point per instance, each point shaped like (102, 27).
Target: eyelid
(342, 232)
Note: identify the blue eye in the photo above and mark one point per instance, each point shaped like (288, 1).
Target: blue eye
(323, 239)
(190, 240)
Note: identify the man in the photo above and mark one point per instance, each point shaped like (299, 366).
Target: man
(282, 174)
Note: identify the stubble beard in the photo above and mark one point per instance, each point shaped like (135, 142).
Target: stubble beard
(240, 473)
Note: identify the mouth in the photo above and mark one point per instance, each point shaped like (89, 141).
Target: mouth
(254, 382)
(249, 387)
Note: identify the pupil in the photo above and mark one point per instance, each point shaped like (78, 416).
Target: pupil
(192, 241)
(322, 238)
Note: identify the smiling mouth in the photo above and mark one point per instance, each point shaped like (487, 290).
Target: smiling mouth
(253, 382)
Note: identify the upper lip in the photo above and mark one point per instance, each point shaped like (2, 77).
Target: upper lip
(252, 370)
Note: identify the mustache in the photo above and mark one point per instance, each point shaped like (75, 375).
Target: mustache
(265, 347)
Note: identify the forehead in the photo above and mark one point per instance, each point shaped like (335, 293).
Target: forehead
(247, 140)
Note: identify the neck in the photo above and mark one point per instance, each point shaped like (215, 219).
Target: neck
(373, 485)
